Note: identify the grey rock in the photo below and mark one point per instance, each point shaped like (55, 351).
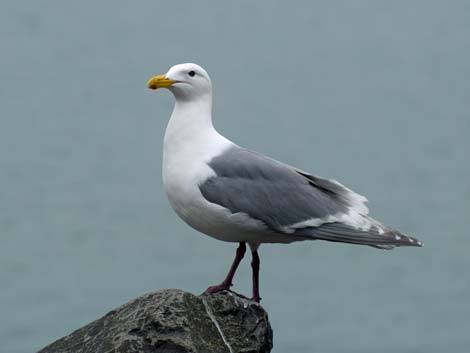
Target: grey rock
(174, 321)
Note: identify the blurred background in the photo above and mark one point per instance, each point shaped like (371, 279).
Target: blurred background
(372, 93)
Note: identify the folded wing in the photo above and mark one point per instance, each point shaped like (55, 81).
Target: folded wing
(290, 201)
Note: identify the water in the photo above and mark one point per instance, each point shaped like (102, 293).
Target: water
(373, 93)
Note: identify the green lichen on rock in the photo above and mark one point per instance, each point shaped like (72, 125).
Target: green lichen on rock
(174, 321)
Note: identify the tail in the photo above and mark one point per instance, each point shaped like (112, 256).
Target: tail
(377, 237)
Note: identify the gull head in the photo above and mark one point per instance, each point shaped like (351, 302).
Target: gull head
(186, 82)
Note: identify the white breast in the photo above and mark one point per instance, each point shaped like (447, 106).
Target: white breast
(185, 167)
(190, 143)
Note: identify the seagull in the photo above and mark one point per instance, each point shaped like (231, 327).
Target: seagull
(236, 195)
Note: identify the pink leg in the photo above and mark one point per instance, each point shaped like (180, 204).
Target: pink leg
(227, 282)
(255, 267)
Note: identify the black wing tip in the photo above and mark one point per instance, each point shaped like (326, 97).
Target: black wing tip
(406, 240)
(375, 237)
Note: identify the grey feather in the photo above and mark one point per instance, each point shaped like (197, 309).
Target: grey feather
(340, 232)
(282, 196)
(268, 190)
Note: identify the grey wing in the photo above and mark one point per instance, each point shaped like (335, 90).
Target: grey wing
(290, 201)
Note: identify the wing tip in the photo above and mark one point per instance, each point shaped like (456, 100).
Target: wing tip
(406, 240)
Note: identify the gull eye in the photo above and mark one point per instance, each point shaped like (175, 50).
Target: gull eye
(191, 73)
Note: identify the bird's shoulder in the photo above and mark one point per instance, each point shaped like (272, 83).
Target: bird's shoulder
(244, 163)
(241, 174)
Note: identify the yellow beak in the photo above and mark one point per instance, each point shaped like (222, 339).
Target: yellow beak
(159, 81)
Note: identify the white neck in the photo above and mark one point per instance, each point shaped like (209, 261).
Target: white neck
(190, 137)
(188, 118)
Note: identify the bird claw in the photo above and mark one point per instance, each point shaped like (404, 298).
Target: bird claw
(218, 288)
(223, 286)
(253, 299)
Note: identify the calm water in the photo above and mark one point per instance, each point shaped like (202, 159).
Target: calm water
(372, 93)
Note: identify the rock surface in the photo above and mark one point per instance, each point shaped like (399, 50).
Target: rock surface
(174, 321)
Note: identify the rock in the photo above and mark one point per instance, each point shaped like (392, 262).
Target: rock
(174, 321)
